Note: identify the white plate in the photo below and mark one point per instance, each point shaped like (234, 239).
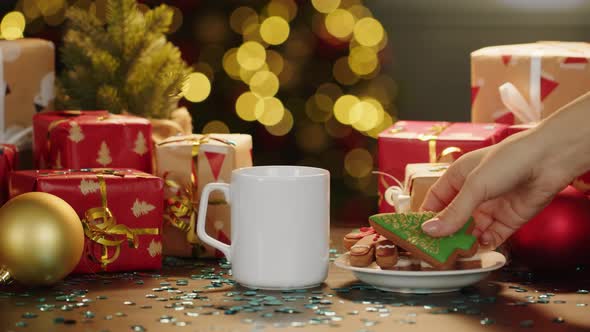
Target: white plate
(423, 282)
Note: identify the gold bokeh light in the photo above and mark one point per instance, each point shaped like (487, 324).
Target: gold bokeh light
(197, 87)
(342, 72)
(264, 83)
(252, 33)
(358, 163)
(274, 30)
(339, 23)
(275, 61)
(386, 123)
(50, 7)
(12, 25)
(246, 75)
(269, 111)
(319, 108)
(283, 127)
(363, 60)
(215, 127)
(230, 63)
(343, 109)
(286, 9)
(325, 6)
(251, 55)
(242, 17)
(368, 32)
(365, 114)
(331, 90)
(246, 106)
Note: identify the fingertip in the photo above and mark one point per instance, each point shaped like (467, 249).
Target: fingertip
(486, 239)
(431, 227)
(437, 227)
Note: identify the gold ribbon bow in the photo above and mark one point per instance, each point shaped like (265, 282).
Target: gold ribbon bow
(431, 137)
(108, 233)
(179, 207)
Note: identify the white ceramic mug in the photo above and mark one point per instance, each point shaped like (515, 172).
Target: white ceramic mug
(280, 227)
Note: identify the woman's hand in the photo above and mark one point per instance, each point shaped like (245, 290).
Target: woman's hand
(505, 185)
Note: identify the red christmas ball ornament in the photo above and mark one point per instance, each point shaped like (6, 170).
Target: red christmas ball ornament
(558, 237)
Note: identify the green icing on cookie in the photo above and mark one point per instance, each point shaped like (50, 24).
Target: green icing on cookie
(408, 227)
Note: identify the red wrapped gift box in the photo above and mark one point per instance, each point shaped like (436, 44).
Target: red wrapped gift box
(8, 162)
(87, 139)
(121, 211)
(411, 142)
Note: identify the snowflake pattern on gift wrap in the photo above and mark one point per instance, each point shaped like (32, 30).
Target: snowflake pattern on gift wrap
(140, 144)
(76, 134)
(155, 248)
(141, 208)
(104, 155)
(88, 187)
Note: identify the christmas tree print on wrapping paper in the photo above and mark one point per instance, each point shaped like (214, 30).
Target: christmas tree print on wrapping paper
(89, 187)
(141, 208)
(140, 144)
(104, 154)
(155, 248)
(75, 133)
(405, 230)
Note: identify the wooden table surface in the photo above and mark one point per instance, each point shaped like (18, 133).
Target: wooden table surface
(199, 296)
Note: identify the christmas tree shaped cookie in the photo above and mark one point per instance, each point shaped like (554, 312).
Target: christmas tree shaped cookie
(404, 230)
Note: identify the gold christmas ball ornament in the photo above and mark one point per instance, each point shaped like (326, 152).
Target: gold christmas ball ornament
(41, 239)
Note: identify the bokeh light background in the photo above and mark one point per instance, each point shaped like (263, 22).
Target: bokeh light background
(304, 78)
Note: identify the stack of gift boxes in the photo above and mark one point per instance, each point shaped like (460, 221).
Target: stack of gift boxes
(513, 88)
(136, 198)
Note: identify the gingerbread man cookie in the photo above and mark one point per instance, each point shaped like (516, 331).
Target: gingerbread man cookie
(353, 237)
(386, 254)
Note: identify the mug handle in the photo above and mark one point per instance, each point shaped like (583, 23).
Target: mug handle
(201, 232)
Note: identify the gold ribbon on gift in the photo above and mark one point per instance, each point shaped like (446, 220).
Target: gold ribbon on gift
(180, 210)
(180, 207)
(101, 226)
(197, 141)
(431, 137)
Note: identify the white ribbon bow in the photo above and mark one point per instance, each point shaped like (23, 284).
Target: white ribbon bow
(396, 196)
(515, 102)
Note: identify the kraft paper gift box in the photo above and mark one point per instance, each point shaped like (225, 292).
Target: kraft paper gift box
(411, 142)
(409, 195)
(91, 139)
(134, 199)
(187, 164)
(419, 179)
(27, 75)
(525, 83)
